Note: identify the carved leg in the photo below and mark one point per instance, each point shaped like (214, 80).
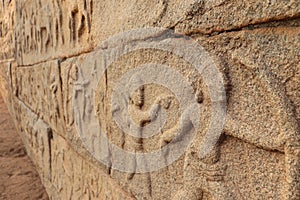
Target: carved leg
(192, 180)
(204, 175)
(214, 172)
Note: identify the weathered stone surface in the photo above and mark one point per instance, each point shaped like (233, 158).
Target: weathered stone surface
(63, 171)
(7, 23)
(5, 81)
(255, 45)
(58, 29)
(260, 64)
(221, 15)
(52, 29)
(42, 94)
(18, 177)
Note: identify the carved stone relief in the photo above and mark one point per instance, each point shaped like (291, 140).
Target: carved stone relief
(51, 27)
(42, 95)
(64, 173)
(258, 154)
(7, 23)
(209, 177)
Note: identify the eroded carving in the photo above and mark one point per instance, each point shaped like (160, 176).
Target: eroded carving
(59, 165)
(35, 134)
(7, 23)
(50, 26)
(43, 96)
(70, 78)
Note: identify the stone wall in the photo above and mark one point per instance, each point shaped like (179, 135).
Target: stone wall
(254, 44)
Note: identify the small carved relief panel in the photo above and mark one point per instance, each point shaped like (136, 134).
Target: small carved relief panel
(39, 88)
(52, 29)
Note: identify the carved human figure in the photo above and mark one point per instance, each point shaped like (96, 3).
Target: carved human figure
(72, 77)
(79, 21)
(132, 108)
(54, 83)
(80, 87)
(44, 31)
(58, 23)
(200, 174)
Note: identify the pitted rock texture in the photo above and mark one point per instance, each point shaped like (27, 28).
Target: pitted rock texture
(255, 46)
